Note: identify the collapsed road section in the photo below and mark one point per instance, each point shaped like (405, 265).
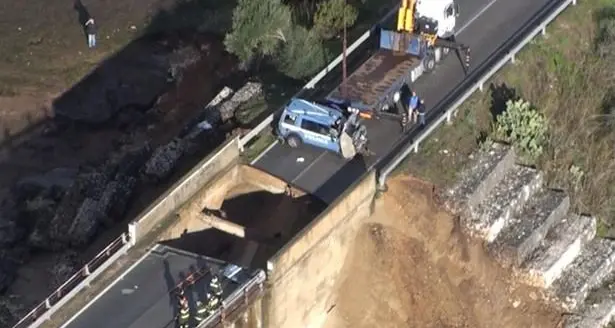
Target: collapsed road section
(224, 215)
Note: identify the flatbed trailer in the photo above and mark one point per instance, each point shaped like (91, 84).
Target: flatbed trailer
(372, 85)
(399, 61)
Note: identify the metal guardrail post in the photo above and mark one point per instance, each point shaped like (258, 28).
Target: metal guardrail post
(479, 85)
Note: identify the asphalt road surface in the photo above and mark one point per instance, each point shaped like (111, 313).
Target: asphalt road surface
(484, 25)
(143, 297)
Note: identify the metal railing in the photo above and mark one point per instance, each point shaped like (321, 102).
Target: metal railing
(74, 284)
(445, 109)
(238, 301)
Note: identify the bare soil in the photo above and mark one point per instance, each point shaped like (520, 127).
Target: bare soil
(412, 267)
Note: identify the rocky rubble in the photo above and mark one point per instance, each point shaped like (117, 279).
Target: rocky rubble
(164, 159)
(528, 228)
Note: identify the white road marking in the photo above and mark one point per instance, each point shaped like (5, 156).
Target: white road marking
(99, 295)
(475, 17)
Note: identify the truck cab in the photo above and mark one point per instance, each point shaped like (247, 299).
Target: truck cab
(436, 17)
(305, 122)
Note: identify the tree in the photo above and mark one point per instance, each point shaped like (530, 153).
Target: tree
(302, 55)
(258, 28)
(523, 127)
(330, 19)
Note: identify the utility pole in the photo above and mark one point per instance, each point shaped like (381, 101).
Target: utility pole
(344, 45)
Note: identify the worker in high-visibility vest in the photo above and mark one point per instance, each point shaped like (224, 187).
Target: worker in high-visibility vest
(215, 286)
(213, 302)
(183, 319)
(201, 312)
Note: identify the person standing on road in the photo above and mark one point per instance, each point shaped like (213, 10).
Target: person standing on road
(413, 105)
(183, 320)
(90, 30)
(201, 312)
(421, 113)
(215, 286)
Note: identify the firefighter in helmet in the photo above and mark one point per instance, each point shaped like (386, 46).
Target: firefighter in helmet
(201, 312)
(215, 286)
(183, 319)
(213, 302)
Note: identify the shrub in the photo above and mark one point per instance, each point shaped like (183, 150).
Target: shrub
(523, 127)
(258, 28)
(329, 19)
(302, 55)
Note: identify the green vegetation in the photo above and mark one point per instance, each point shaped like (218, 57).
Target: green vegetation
(332, 16)
(567, 77)
(293, 35)
(523, 127)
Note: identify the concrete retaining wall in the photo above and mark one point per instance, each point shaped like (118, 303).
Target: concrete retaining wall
(302, 274)
(204, 172)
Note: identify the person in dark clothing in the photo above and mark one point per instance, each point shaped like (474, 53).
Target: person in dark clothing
(90, 30)
(421, 112)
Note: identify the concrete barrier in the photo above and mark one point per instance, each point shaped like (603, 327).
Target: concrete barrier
(208, 169)
(303, 273)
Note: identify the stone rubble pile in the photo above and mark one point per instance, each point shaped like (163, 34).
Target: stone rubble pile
(528, 227)
(221, 109)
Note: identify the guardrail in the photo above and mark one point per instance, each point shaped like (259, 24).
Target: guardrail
(312, 83)
(76, 283)
(444, 111)
(237, 301)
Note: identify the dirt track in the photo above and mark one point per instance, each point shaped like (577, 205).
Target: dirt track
(411, 267)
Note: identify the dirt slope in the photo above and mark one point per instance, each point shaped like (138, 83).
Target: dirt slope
(411, 267)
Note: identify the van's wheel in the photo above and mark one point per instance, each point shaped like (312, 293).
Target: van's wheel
(429, 62)
(293, 141)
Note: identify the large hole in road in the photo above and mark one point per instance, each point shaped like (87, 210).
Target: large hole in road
(243, 217)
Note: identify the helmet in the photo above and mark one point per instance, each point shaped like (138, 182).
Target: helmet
(199, 303)
(214, 279)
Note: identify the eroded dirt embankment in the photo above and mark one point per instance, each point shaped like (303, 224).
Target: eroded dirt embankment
(410, 266)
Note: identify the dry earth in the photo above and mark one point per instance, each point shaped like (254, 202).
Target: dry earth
(412, 267)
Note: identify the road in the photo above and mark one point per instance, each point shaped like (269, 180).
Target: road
(143, 297)
(484, 25)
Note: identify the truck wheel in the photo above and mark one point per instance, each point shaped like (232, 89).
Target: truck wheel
(429, 62)
(293, 141)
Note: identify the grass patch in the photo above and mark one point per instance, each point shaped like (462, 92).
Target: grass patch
(567, 79)
(258, 145)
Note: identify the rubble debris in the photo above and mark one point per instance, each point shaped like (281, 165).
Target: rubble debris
(247, 92)
(484, 174)
(163, 160)
(516, 187)
(526, 230)
(12, 308)
(559, 248)
(108, 90)
(61, 178)
(65, 266)
(9, 263)
(180, 59)
(86, 223)
(587, 271)
(594, 315)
